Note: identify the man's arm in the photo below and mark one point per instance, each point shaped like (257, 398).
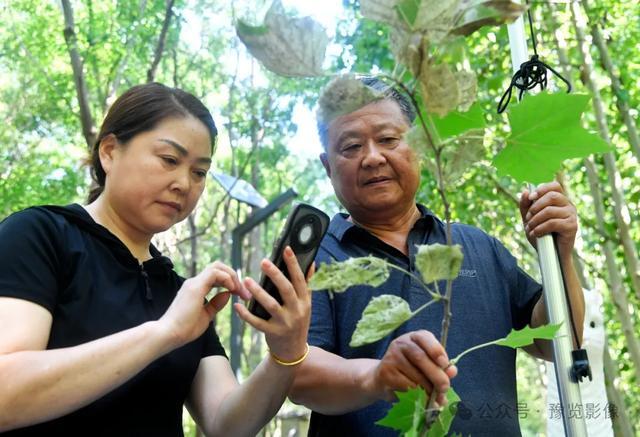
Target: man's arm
(547, 210)
(330, 384)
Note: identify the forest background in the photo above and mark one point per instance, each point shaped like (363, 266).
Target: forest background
(62, 63)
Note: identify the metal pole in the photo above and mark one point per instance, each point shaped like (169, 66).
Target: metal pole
(553, 288)
(237, 235)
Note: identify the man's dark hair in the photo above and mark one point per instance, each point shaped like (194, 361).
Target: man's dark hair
(139, 110)
(387, 91)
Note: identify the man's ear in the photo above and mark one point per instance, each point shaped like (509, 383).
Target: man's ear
(106, 150)
(324, 159)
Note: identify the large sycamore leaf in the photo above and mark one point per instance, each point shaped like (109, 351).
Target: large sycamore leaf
(438, 261)
(527, 335)
(546, 130)
(458, 122)
(286, 46)
(339, 276)
(407, 414)
(442, 424)
(380, 318)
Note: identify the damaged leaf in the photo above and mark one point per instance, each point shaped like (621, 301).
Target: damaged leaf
(339, 276)
(286, 46)
(343, 95)
(381, 317)
(439, 261)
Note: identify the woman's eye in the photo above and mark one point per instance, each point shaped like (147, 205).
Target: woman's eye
(170, 160)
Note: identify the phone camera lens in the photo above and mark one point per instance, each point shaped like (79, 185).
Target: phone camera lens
(305, 234)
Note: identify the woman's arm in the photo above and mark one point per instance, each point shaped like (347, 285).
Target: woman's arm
(39, 385)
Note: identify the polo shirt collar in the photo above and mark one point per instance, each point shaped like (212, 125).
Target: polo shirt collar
(340, 226)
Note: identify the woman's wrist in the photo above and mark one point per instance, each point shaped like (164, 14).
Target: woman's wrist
(294, 362)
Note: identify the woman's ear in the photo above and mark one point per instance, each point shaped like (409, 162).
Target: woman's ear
(106, 150)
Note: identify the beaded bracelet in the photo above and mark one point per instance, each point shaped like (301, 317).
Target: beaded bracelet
(290, 363)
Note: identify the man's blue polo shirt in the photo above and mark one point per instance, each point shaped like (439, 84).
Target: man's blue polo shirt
(491, 296)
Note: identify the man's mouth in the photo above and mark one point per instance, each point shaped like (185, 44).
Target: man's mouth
(377, 179)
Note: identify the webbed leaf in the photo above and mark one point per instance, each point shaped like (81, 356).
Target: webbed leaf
(381, 317)
(545, 130)
(286, 46)
(439, 261)
(343, 95)
(442, 424)
(527, 335)
(339, 276)
(407, 414)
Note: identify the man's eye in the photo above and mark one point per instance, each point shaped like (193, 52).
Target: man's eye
(389, 140)
(200, 174)
(351, 147)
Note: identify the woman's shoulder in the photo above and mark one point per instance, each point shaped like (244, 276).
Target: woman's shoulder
(41, 217)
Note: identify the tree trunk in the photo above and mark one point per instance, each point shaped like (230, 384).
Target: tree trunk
(617, 194)
(621, 102)
(151, 73)
(122, 63)
(618, 294)
(622, 426)
(88, 127)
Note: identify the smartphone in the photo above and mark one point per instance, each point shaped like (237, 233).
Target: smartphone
(303, 231)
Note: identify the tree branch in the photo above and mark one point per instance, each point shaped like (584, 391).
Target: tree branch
(88, 127)
(161, 40)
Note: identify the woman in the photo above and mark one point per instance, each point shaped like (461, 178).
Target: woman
(98, 334)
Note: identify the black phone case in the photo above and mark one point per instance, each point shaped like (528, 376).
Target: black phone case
(302, 219)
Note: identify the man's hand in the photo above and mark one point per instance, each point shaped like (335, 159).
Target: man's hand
(547, 210)
(414, 359)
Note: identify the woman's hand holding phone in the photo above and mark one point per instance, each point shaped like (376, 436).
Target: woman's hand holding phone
(286, 330)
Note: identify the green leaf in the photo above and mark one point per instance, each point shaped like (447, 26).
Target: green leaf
(546, 130)
(382, 316)
(456, 122)
(527, 335)
(439, 261)
(442, 424)
(286, 46)
(339, 276)
(407, 414)
(408, 11)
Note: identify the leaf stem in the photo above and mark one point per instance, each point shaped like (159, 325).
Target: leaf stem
(423, 307)
(434, 295)
(471, 349)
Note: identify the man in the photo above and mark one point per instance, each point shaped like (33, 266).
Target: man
(375, 176)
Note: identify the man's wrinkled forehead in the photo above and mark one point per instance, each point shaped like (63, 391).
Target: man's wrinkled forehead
(380, 116)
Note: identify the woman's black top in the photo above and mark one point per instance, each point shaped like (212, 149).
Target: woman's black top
(59, 258)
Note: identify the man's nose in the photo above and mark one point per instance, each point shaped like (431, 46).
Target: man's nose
(374, 155)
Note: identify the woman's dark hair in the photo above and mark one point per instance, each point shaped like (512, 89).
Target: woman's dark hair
(139, 110)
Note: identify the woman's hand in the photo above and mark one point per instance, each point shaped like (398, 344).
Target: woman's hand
(189, 314)
(286, 330)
